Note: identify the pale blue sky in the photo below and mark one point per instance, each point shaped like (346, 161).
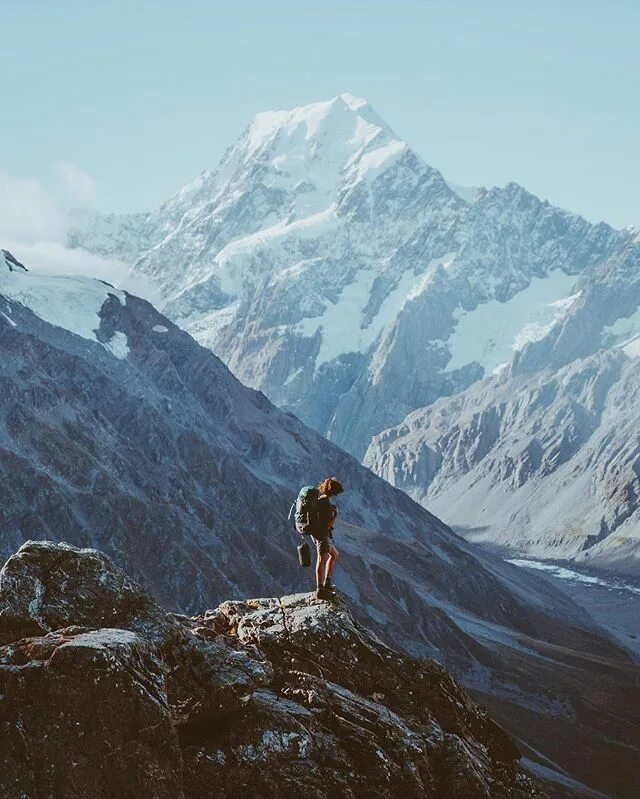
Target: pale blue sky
(142, 96)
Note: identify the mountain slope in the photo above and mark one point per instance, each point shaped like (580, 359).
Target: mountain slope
(330, 267)
(543, 458)
(547, 464)
(155, 453)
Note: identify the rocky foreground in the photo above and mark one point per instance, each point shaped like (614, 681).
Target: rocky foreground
(102, 694)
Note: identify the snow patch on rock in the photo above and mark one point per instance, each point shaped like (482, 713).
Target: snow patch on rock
(625, 332)
(72, 303)
(118, 345)
(494, 330)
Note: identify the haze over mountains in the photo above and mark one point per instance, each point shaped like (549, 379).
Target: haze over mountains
(118, 431)
(333, 269)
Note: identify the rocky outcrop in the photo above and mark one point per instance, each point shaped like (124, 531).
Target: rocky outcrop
(104, 694)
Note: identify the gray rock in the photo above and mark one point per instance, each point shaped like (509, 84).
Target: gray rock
(86, 714)
(89, 711)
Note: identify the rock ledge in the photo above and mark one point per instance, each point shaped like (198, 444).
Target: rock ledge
(104, 694)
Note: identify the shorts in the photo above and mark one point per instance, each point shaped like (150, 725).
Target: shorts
(324, 544)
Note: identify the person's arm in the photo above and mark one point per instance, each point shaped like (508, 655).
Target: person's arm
(325, 515)
(334, 515)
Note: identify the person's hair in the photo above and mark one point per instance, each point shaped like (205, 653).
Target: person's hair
(330, 485)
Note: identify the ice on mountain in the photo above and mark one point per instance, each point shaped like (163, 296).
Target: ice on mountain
(625, 334)
(354, 103)
(493, 330)
(371, 163)
(72, 303)
(118, 345)
(308, 122)
(632, 347)
(343, 326)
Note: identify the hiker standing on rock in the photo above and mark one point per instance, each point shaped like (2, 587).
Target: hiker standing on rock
(316, 515)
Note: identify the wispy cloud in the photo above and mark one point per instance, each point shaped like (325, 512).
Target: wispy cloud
(28, 213)
(34, 228)
(79, 184)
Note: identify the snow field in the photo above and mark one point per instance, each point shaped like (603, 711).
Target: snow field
(72, 303)
(494, 330)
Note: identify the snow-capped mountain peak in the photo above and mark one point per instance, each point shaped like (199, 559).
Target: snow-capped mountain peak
(344, 117)
(314, 153)
(298, 185)
(335, 270)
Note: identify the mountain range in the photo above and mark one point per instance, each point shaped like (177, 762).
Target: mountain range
(119, 431)
(331, 268)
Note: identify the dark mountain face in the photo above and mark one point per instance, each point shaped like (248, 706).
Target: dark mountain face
(139, 442)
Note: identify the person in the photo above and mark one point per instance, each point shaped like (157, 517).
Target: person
(327, 554)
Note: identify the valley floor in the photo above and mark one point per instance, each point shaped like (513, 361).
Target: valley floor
(613, 602)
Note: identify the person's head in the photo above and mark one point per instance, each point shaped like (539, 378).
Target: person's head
(330, 487)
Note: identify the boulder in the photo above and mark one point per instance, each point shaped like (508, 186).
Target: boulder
(47, 586)
(85, 714)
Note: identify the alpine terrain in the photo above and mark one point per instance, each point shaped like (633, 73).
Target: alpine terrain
(334, 270)
(120, 432)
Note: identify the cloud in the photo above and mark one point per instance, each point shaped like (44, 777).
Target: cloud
(28, 213)
(34, 228)
(79, 184)
(50, 257)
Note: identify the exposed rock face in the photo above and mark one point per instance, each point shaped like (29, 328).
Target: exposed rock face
(84, 713)
(548, 463)
(269, 698)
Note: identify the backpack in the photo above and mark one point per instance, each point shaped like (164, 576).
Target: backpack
(306, 510)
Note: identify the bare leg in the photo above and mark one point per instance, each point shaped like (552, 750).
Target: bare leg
(321, 568)
(333, 557)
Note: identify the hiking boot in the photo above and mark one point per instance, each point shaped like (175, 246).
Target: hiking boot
(329, 586)
(323, 593)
